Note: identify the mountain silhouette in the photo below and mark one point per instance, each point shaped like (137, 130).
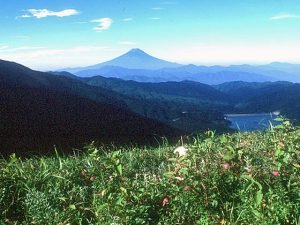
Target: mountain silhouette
(134, 59)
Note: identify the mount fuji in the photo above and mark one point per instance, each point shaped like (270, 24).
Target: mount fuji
(134, 59)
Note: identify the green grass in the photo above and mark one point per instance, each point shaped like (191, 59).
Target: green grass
(241, 178)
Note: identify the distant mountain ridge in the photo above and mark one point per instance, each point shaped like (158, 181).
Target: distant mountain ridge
(134, 59)
(139, 66)
(174, 74)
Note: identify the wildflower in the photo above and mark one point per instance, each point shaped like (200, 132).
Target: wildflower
(92, 178)
(83, 172)
(275, 173)
(179, 178)
(248, 169)
(181, 151)
(186, 188)
(165, 201)
(226, 166)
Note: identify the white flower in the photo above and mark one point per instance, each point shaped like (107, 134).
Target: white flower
(181, 151)
(179, 178)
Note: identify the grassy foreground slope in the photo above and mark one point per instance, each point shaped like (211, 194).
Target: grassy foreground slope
(241, 178)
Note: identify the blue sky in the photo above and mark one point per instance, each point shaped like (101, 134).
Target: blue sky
(52, 34)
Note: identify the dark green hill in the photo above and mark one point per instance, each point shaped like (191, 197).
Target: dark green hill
(264, 97)
(35, 120)
(241, 91)
(14, 74)
(283, 99)
(183, 89)
(186, 105)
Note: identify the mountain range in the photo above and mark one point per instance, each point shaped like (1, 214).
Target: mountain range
(40, 110)
(186, 105)
(210, 102)
(139, 66)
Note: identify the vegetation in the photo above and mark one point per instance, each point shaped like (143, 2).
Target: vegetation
(264, 97)
(33, 120)
(241, 178)
(203, 105)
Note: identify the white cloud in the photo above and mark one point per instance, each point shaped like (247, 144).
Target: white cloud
(283, 16)
(104, 24)
(131, 43)
(127, 19)
(42, 13)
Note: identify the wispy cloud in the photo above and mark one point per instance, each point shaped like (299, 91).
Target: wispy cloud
(23, 37)
(155, 18)
(104, 24)
(2, 47)
(24, 16)
(42, 13)
(157, 8)
(20, 49)
(35, 52)
(284, 16)
(130, 43)
(127, 19)
(54, 58)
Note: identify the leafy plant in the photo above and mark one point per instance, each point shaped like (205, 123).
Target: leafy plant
(240, 178)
